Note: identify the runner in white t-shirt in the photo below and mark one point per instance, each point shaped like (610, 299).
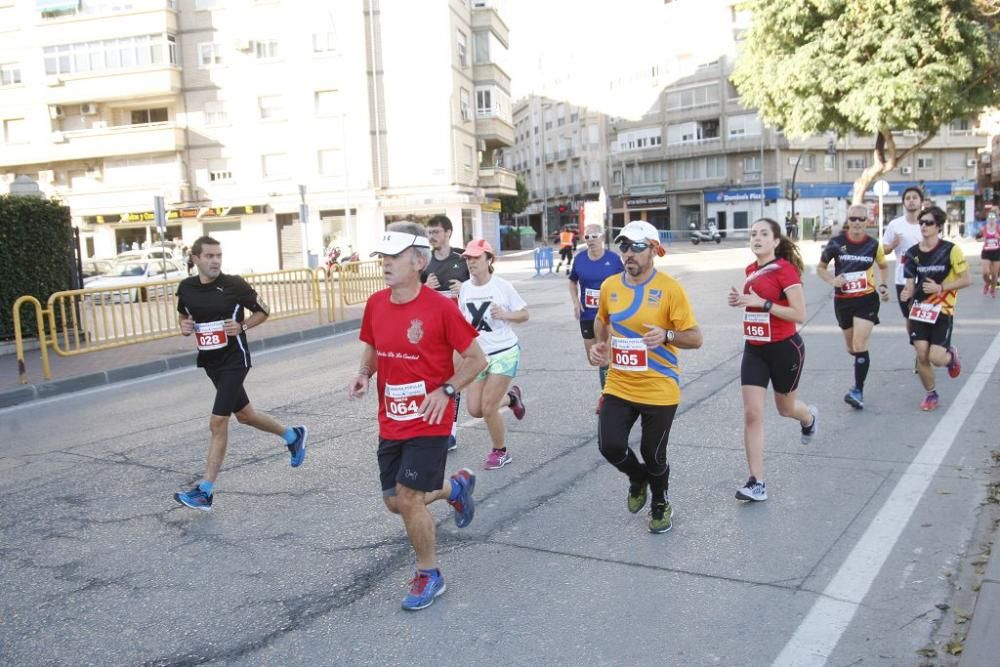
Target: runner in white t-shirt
(491, 305)
(900, 235)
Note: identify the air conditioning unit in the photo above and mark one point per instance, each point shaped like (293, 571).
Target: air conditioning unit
(88, 109)
(971, 162)
(906, 171)
(244, 44)
(55, 111)
(58, 138)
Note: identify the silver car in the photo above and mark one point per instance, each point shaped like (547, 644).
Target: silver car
(136, 274)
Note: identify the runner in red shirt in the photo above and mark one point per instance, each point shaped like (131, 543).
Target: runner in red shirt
(772, 302)
(410, 334)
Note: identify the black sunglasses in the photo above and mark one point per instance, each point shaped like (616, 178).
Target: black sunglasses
(856, 219)
(924, 223)
(635, 247)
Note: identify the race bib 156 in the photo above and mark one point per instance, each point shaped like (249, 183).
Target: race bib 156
(757, 326)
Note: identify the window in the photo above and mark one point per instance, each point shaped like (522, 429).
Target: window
(146, 116)
(955, 160)
(266, 49)
(327, 102)
(829, 162)
(463, 48)
(215, 114)
(808, 162)
(331, 162)
(744, 125)
(751, 165)
(465, 99)
(925, 162)
(484, 103)
(10, 75)
(324, 42)
(209, 55)
(271, 107)
(693, 97)
(110, 54)
(961, 126)
(218, 171)
(856, 163)
(275, 165)
(470, 158)
(15, 131)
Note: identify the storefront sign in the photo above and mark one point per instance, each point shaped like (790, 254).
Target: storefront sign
(739, 195)
(491, 207)
(639, 202)
(963, 188)
(174, 214)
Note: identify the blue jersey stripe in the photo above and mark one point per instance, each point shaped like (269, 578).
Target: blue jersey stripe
(660, 350)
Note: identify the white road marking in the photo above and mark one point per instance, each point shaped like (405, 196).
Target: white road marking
(818, 634)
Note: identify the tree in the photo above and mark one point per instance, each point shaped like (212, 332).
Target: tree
(513, 205)
(870, 67)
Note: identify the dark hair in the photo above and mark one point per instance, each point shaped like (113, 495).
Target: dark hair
(939, 216)
(441, 221)
(914, 189)
(202, 241)
(786, 250)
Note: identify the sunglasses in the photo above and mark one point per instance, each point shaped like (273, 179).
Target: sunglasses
(591, 237)
(626, 246)
(928, 223)
(856, 219)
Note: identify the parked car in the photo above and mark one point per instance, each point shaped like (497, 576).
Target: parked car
(147, 254)
(136, 272)
(94, 268)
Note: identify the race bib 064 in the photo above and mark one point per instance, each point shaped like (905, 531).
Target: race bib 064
(629, 354)
(210, 335)
(925, 312)
(403, 401)
(757, 326)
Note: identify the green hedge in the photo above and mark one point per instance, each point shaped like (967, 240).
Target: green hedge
(35, 259)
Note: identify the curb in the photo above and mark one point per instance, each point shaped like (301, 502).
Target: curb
(981, 643)
(34, 392)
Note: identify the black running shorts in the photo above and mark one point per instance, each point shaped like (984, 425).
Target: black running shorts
(990, 255)
(938, 333)
(417, 463)
(587, 329)
(566, 253)
(862, 307)
(780, 362)
(230, 396)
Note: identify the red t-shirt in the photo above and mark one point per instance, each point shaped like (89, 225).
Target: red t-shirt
(414, 343)
(769, 282)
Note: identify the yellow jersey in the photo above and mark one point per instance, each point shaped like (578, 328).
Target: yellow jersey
(638, 374)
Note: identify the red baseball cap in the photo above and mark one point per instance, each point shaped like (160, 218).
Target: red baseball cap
(477, 247)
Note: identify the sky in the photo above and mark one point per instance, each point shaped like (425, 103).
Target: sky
(572, 50)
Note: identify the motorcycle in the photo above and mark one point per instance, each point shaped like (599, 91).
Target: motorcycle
(353, 257)
(706, 235)
(333, 256)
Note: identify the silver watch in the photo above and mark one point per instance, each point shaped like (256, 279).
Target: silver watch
(670, 335)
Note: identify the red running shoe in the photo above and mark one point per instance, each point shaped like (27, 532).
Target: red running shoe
(516, 402)
(955, 365)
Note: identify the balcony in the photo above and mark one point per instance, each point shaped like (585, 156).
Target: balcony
(490, 73)
(484, 17)
(111, 85)
(497, 182)
(493, 129)
(704, 146)
(105, 142)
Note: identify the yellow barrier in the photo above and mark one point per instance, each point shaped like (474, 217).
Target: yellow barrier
(89, 320)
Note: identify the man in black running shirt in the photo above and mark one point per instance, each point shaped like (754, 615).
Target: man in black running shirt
(211, 306)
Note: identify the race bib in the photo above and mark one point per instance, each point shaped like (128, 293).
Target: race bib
(591, 298)
(629, 354)
(210, 335)
(857, 282)
(402, 401)
(757, 326)
(925, 312)
(992, 244)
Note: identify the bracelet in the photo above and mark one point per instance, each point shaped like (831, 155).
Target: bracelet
(364, 370)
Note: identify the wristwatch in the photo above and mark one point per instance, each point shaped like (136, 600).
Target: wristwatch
(670, 335)
(244, 326)
(448, 390)
(767, 306)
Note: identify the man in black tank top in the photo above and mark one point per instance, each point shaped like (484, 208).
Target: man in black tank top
(211, 306)
(445, 273)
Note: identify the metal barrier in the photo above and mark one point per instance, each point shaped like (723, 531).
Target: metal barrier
(89, 320)
(544, 259)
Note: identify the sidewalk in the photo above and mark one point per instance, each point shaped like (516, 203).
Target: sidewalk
(94, 369)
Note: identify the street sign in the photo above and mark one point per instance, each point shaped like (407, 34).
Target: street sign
(160, 214)
(881, 187)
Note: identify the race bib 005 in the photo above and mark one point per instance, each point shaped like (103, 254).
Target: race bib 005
(210, 335)
(403, 401)
(857, 282)
(925, 312)
(629, 354)
(757, 326)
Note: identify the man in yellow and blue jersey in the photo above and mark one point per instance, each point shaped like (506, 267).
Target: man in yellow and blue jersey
(643, 318)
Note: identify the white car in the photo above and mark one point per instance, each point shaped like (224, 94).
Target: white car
(155, 252)
(136, 272)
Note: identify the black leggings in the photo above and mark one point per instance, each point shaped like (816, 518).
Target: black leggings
(616, 420)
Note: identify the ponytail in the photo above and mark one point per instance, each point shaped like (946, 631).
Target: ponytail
(786, 250)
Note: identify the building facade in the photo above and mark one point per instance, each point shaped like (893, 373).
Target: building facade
(247, 114)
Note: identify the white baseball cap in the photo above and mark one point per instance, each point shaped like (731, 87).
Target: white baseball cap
(393, 243)
(641, 232)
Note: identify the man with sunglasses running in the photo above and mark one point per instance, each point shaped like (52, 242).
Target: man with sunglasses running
(643, 318)
(411, 334)
(590, 268)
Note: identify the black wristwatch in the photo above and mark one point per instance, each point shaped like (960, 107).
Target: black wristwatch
(448, 390)
(767, 306)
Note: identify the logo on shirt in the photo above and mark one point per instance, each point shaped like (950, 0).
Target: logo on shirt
(614, 297)
(220, 289)
(416, 331)
(654, 296)
(478, 314)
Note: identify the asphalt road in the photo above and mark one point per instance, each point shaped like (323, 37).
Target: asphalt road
(870, 534)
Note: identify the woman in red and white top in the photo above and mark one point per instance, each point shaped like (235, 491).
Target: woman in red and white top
(990, 255)
(773, 303)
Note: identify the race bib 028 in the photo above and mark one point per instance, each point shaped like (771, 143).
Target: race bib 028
(403, 401)
(629, 354)
(210, 335)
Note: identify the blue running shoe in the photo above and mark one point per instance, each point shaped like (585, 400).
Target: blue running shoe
(465, 504)
(195, 499)
(424, 587)
(855, 398)
(452, 443)
(298, 448)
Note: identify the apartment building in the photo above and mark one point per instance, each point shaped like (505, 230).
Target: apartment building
(247, 114)
(560, 152)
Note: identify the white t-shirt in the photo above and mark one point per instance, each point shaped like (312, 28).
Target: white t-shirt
(476, 301)
(908, 235)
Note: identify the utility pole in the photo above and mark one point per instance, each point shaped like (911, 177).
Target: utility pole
(545, 187)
